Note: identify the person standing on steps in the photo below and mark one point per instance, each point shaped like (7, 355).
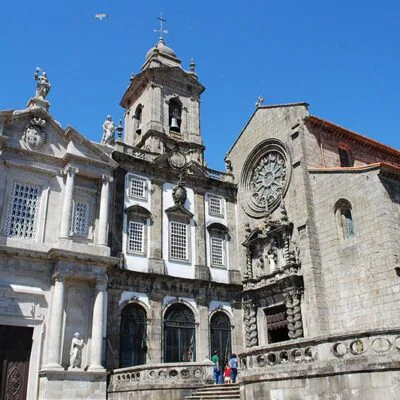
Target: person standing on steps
(217, 371)
(233, 364)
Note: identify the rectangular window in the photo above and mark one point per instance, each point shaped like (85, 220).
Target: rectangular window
(137, 188)
(217, 251)
(178, 241)
(81, 218)
(215, 205)
(345, 159)
(23, 211)
(136, 237)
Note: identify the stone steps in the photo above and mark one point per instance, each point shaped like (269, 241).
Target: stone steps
(216, 392)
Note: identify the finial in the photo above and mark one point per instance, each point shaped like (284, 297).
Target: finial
(132, 77)
(119, 130)
(192, 65)
(260, 101)
(161, 31)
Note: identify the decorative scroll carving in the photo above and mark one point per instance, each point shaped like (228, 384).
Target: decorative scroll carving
(250, 323)
(293, 310)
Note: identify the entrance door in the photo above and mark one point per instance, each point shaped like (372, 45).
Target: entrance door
(220, 332)
(15, 351)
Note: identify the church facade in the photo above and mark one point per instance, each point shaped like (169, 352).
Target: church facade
(126, 263)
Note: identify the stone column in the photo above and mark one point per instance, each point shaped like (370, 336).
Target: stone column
(203, 345)
(56, 324)
(67, 203)
(156, 263)
(202, 271)
(97, 327)
(155, 328)
(104, 207)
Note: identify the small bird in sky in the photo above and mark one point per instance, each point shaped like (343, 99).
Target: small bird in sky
(101, 16)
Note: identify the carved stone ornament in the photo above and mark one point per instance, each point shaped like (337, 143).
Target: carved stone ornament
(34, 137)
(179, 193)
(265, 178)
(177, 160)
(250, 324)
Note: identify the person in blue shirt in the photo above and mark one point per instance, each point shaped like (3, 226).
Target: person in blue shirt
(233, 364)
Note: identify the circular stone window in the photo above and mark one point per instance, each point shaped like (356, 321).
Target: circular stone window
(265, 178)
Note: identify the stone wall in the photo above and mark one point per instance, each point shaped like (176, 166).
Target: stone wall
(358, 365)
(361, 286)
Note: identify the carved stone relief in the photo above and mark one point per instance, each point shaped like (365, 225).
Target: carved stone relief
(34, 136)
(250, 324)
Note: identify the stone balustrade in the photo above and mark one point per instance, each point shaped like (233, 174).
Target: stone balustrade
(178, 375)
(357, 351)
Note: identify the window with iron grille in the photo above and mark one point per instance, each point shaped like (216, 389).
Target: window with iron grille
(23, 211)
(217, 251)
(178, 240)
(136, 237)
(81, 218)
(215, 205)
(137, 188)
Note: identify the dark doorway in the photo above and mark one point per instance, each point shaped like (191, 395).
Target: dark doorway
(179, 334)
(133, 336)
(220, 332)
(277, 324)
(15, 352)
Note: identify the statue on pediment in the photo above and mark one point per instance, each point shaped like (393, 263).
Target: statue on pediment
(42, 85)
(108, 131)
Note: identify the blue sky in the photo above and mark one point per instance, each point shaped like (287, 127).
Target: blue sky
(342, 57)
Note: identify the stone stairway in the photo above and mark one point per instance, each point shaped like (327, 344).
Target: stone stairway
(216, 392)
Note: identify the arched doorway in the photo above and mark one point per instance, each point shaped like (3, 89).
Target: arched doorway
(179, 334)
(220, 333)
(133, 336)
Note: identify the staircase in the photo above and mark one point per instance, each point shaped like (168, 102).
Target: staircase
(216, 392)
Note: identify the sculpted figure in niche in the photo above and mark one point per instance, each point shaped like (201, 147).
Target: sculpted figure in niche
(75, 354)
(108, 131)
(272, 256)
(42, 85)
(259, 267)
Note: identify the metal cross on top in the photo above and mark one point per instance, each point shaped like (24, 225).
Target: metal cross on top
(161, 31)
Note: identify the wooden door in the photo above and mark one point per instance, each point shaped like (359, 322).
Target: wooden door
(15, 351)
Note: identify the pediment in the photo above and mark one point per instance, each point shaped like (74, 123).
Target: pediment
(36, 131)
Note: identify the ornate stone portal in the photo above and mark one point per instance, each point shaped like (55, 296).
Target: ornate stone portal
(272, 279)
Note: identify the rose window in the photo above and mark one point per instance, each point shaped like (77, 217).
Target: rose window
(268, 179)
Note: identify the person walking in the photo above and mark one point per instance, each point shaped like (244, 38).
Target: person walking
(217, 372)
(233, 364)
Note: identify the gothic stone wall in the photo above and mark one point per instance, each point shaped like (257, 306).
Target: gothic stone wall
(282, 123)
(321, 149)
(361, 287)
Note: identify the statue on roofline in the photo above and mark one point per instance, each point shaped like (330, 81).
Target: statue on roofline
(108, 131)
(42, 85)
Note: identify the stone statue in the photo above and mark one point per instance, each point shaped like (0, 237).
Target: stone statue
(271, 254)
(108, 131)
(259, 267)
(260, 101)
(42, 85)
(75, 353)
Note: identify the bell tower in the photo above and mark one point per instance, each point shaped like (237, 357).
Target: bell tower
(162, 105)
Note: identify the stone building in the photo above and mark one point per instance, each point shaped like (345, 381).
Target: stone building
(131, 257)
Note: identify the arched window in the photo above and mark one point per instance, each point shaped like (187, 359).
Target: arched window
(220, 333)
(133, 336)
(179, 334)
(346, 160)
(175, 115)
(344, 219)
(138, 119)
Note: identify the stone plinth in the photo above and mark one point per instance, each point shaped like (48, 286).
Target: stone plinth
(67, 385)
